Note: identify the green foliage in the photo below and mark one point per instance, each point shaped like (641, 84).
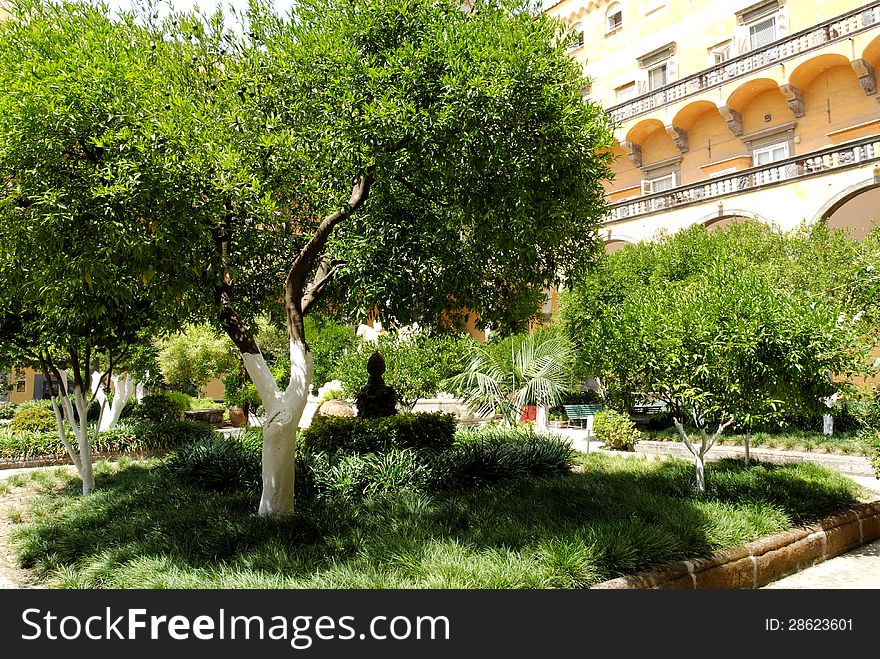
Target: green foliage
(330, 341)
(190, 358)
(615, 429)
(417, 364)
(202, 404)
(127, 435)
(7, 410)
(724, 323)
(423, 432)
(490, 456)
(45, 404)
(164, 406)
(352, 476)
(33, 419)
(520, 371)
(221, 464)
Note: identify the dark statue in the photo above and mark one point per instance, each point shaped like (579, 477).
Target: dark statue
(377, 399)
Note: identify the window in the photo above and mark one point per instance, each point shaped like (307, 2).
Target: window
(768, 154)
(614, 18)
(762, 33)
(578, 32)
(720, 54)
(659, 184)
(625, 92)
(657, 77)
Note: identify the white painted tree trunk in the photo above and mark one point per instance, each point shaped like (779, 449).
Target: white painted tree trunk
(283, 412)
(140, 389)
(542, 418)
(82, 457)
(123, 389)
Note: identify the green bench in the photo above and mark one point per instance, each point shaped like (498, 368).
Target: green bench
(582, 413)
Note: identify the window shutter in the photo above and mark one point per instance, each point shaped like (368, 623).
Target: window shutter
(671, 71)
(647, 187)
(741, 39)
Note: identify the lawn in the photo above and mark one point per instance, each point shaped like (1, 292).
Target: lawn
(612, 516)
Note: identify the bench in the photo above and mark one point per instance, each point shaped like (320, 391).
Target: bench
(647, 409)
(582, 413)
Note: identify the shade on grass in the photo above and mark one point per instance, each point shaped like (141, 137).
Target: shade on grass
(619, 516)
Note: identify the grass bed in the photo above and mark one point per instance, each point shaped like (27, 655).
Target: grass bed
(141, 529)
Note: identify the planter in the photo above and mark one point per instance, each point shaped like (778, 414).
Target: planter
(236, 416)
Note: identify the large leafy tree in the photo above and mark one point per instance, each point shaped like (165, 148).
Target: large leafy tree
(417, 161)
(723, 327)
(94, 228)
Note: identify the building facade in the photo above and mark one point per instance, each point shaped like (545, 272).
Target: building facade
(734, 109)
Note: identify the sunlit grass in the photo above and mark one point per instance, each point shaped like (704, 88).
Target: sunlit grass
(618, 516)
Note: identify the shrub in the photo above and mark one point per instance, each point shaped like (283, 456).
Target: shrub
(26, 444)
(348, 476)
(33, 419)
(428, 432)
(483, 457)
(143, 435)
(203, 404)
(7, 410)
(159, 407)
(45, 404)
(219, 464)
(616, 430)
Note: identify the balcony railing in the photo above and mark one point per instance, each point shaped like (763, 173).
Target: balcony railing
(832, 30)
(844, 156)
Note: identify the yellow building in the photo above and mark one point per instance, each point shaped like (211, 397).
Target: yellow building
(729, 109)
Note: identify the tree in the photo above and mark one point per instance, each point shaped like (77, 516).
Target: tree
(420, 161)
(718, 335)
(188, 359)
(85, 177)
(520, 371)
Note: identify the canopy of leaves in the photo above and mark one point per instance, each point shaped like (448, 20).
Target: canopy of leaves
(190, 358)
(727, 321)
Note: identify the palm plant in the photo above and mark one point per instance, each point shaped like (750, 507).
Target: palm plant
(504, 378)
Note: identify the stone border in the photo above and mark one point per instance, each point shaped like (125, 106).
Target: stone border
(757, 563)
(64, 460)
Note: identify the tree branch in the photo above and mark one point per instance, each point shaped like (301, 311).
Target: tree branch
(295, 284)
(319, 283)
(421, 195)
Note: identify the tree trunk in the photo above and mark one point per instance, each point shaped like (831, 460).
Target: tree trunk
(746, 442)
(701, 472)
(283, 412)
(123, 389)
(542, 418)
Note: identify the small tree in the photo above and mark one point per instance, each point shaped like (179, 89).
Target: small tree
(189, 359)
(718, 339)
(507, 377)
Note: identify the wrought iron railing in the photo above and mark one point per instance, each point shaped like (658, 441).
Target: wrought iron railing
(843, 156)
(815, 37)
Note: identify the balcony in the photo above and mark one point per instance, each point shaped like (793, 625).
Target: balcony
(836, 29)
(844, 156)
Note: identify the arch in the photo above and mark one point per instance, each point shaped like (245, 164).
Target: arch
(743, 94)
(852, 207)
(614, 17)
(642, 129)
(871, 53)
(688, 115)
(724, 216)
(806, 72)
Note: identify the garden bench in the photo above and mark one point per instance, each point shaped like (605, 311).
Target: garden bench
(582, 413)
(647, 409)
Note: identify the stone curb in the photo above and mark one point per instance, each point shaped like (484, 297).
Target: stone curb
(64, 460)
(757, 563)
